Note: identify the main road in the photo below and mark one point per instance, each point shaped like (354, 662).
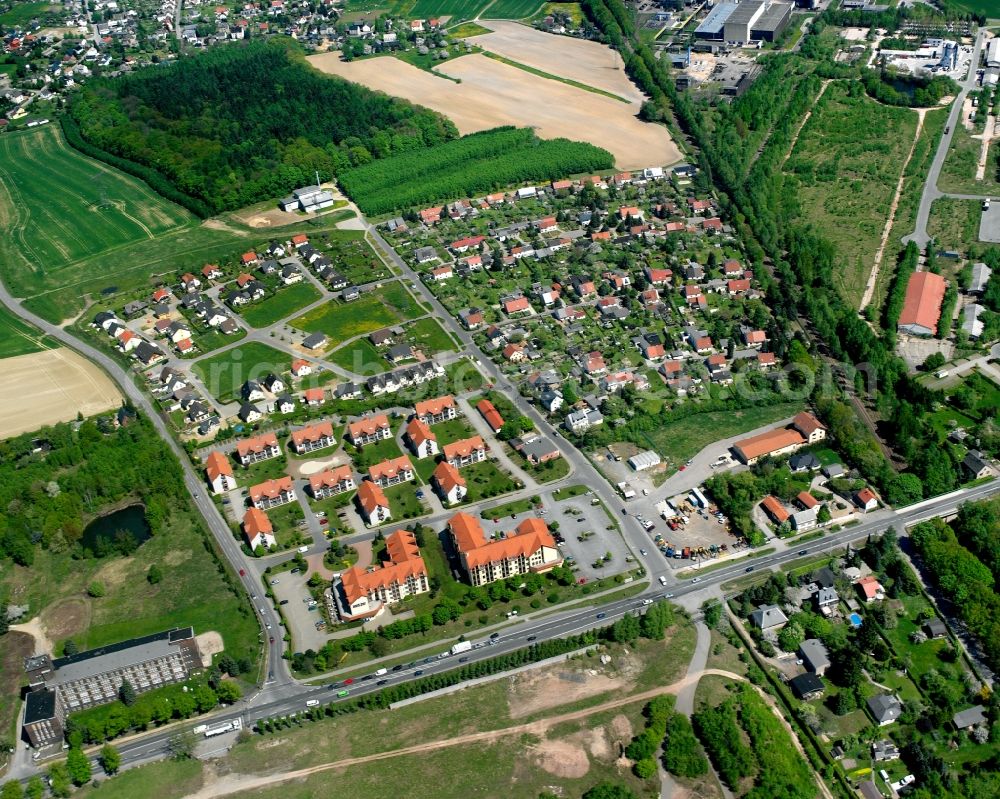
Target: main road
(282, 694)
(154, 745)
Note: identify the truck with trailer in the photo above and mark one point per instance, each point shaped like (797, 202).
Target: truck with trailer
(222, 729)
(461, 646)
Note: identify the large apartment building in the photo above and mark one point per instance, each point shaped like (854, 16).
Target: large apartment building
(258, 448)
(528, 548)
(316, 436)
(95, 677)
(332, 481)
(272, 493)
(439, 409)
(362, 593)
(369, 430)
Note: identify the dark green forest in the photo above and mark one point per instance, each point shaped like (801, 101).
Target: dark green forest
(474, 164)
(239, 124)
(49, 496)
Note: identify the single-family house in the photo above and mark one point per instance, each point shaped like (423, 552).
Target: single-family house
(219, 473)
(449, 483)
(257, 529)
(373, 504)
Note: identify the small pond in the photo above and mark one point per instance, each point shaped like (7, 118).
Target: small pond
(121, 531)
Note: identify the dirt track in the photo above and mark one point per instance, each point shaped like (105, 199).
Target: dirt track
(492, 94)
(51, 386)
(589, 63)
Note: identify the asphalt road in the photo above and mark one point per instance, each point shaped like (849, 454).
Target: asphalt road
(268, 704)
(281, 694)
(931, 192)
(277, 667)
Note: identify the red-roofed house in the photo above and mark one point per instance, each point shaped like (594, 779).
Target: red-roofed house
(301, 368)
(449, 483)
(516, 305)
(807, 500)
(741, 286)
(373, 504)
(330, 482)
(272, 493)
(439, 409)
(866, 499)
(420, 438)
(313, 437)
(257, 529)
(258, 448)
(528, 548)
(658, 277)
(369, 430)
(249, 258)
(466, 451)
(922, 306)
(211, 272)
(219, 473)
(392, 472)
(870, 589)
(363, 593)
(313, 396)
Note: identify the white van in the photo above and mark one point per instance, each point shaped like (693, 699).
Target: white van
(380, 672)
(663, 580)
(303, 549)
(312, 703)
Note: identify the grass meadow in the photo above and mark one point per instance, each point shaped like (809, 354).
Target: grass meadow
(380, 308)
(17, 338)
(284, 303)
(846, 181)
(224, 373)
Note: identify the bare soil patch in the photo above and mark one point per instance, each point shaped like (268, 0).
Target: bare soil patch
(44, 388)
(115, 572)
(589, 63)
(492, 94)
(564, 758)
(65, 619)
(533, 691)
(209, 643)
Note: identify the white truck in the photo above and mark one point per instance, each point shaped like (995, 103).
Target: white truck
(380, 672)
(461, 646)
(221, 729)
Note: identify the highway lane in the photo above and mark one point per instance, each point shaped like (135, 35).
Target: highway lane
(268, 705)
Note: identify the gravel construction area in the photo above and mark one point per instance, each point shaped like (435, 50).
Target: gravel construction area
(589, 63)
(43, 388)
(492, 94)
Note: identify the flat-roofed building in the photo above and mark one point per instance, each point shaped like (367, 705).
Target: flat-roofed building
(43, 715)
(712, 28)
(95, 677)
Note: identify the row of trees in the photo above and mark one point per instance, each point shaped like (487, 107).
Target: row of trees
(471, 165)
(139, 712)
(905, 267)
(445, 611)
(234, 125)
(682, 754)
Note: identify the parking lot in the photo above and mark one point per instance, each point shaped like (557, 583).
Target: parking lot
(585, 533)
(702, 532)
(300, 619)
(989, 224)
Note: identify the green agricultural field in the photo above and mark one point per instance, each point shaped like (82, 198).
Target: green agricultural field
(20, 14)
(17, 338)
(457, 10)
(223, 374)
(386, 306)
(287, 301)
(512, 9)
(954, 224)
(678, 441)
(845, 182)
(60, 207)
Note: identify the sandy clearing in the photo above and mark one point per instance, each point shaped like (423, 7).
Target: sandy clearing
(589, 63)
(35, 629)
(52, 386)
(565, 759)
(209, 643)
(493, 94)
